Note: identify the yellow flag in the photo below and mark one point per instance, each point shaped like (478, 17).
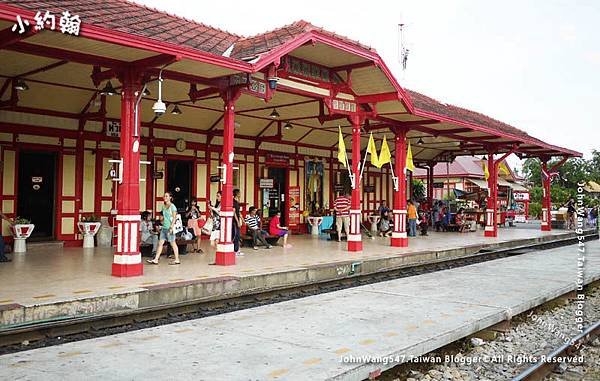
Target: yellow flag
(373, 151)
(409, 161)
(384, 156)
(341, 148)
(486, 173)
(503, 169)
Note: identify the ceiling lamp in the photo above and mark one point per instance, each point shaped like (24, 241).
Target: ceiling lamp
(159, 106)
(484, 158)
(21, 85)
(288, 126)
(420, 142)
(274, 114)
(108, 89)
(146, 92)
(176, 110)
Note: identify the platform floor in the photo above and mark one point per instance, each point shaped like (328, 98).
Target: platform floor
(51, 275)
(307, 339)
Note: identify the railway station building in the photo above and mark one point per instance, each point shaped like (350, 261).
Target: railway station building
(104, 106)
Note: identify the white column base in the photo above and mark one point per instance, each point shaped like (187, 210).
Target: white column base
(20, 245)
(88, 241)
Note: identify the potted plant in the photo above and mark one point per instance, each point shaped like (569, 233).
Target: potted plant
(21, 230)
(88, 227)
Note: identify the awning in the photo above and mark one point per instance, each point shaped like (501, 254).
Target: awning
(480, 183)
(518, 187)
(504, 183)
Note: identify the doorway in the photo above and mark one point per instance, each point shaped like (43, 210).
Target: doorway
(37, 192)
(179, 182)
(278, 194)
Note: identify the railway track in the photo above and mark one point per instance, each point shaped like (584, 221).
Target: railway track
(541, 369)
(54, 332)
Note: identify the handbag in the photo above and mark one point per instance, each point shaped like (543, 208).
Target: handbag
(207, 227)
(178, 225)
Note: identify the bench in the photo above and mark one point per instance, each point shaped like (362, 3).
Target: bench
(247, 240)
(146, 248)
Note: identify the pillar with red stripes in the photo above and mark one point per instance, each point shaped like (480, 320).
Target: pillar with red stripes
(225, 255)
(399, 237)
(546, 199)
(491, 227)
(354, 237)
(127, 260)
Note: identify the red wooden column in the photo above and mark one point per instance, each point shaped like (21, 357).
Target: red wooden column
(354, 237)
(491, 227)
(127, 259)
(430, 183)
(399, 238)
(546, 199)
(225, 255)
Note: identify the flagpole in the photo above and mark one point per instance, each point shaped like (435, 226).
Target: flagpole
(394, 178)
(363, 165)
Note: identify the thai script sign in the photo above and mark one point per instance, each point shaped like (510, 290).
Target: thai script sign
(113, 129)
(308, 70)
(343, 106)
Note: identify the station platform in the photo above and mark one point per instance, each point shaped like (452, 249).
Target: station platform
(320, 337)
(60, 283)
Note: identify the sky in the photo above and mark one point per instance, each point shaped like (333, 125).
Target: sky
(532, 64)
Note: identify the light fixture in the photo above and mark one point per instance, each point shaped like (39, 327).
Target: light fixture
(21, 85)
(484, 158)
(108, 89)
(420, 142)
(288, 126)
(273, 82)
(159, 106)
(146, 92)
(176, 110)
(274, 114)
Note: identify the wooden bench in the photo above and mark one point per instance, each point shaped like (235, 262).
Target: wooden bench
(146, 248)
(247, 240)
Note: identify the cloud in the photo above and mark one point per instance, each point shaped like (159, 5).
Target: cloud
(593, 57)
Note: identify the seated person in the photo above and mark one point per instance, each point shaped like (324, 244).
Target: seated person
(149, 233)
(276, 229)
(460, 220)
(385, 226)
(253, 222)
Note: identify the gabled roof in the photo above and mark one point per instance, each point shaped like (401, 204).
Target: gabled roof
(265, 42)
(462, 166)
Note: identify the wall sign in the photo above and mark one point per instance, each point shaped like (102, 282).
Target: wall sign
(37, 179)
(438, 185)
(521, 196)
(343, 106)
(294, 207)
(265, 183)
(158, 175)
(215, 178)
(277, 160)
(113, 129)
(308, 70)
(338, 187)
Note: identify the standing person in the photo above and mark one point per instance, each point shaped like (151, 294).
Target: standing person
(275, 228)
(193, 214)
(341, 206)
(169, 213)
(215, 211)
(254, 229)
(237, 223)
(412, 219)
(571, 214)
(3, 257)
(435, 215)
(149, 235)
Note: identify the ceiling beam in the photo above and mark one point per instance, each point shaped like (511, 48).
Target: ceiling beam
(8, 37)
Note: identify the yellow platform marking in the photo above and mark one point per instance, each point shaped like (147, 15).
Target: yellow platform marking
(268, 268)
(115, 287)
(367, 342)
(183, 330)
(70, 354)
(248, 271)
(342, 351)
(176, 280)
(411, 327)
(82, 292)
(44, 296)
(391, 334)
(278, 373)
(201, 276)
(226, 274)
(148, 283)
(5, 301)
(111, 345)
(147, 338)
(312, 361)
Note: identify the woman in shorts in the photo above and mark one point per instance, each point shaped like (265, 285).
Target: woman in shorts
(169, 213)
(276, 229)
